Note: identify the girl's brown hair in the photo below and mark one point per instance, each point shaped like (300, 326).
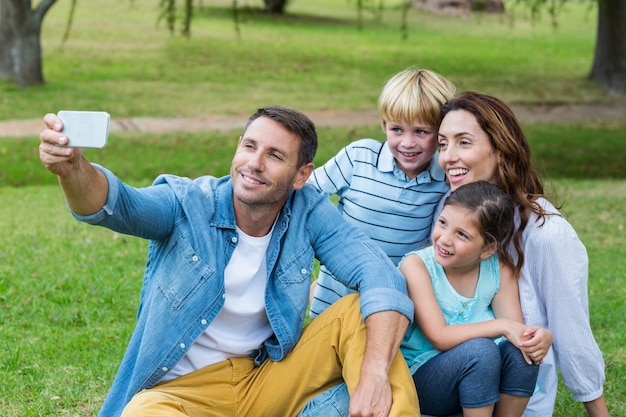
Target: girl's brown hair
(494, 210)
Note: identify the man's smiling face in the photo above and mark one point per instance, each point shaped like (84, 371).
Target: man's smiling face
(265, 166)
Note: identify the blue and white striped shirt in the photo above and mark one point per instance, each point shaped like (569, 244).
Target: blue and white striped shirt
(376, 196)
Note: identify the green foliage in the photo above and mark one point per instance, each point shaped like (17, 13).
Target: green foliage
(536, 7)
(170, 13)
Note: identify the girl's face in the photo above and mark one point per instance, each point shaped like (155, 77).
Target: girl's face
(465, 152)
(412, 145)
(457, 240)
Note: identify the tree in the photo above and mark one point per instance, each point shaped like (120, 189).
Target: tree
(275, 6)
(170, 13)
(609, 61)
(20, 40)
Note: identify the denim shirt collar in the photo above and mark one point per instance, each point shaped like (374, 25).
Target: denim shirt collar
(225, 214)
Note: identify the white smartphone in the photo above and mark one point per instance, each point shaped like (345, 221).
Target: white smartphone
(85, 129)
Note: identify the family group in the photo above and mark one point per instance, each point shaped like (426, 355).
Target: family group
(449, 285)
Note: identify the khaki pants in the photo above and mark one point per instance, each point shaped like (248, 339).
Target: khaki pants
(330, 349)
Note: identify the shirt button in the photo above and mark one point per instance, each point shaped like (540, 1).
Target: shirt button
(164, 369)
(464, 304)
(233, 239)
(303, 271)
(460, 313)
(182, 346)
(223, 296)
(194, 258)
(203, 322)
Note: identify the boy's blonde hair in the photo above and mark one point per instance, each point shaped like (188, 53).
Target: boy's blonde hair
(414, 94)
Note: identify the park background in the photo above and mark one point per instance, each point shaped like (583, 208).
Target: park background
(69, 292)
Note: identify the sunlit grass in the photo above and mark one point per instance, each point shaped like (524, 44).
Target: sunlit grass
(120, 59)
(69, 292)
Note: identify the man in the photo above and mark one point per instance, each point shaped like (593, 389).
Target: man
(219, 329)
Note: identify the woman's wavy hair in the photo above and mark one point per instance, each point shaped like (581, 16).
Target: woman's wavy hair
(515, 173)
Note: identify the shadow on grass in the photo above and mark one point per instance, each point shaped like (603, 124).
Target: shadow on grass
(248, 13)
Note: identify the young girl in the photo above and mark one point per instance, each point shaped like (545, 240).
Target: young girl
(465, 295)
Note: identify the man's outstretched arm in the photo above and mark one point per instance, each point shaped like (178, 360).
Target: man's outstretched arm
(85, 187)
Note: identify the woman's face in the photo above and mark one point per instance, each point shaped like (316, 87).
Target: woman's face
(465, 152)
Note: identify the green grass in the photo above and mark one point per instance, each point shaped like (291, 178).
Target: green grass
(69, 292)
(575, 151)
(119, 59)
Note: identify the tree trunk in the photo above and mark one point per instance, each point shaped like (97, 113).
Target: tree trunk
(6, 62)
(275, 6)
(20, 46)
(609, 62)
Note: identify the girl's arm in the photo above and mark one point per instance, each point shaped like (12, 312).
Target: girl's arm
(430, 319)
(506, 304)
(537, 343)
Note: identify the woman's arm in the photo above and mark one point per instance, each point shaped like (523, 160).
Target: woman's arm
(557, 269)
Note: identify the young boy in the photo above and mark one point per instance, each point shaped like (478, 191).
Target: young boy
(389, 189)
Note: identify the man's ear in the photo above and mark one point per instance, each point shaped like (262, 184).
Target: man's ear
(489, 250)
(303, 174)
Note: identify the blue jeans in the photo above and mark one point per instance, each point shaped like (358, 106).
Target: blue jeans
(473, 374)
(334, 402)
(469, 375)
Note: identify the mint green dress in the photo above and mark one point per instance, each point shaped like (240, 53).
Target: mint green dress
(416, 348)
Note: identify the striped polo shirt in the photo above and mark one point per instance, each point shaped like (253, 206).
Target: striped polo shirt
(375, 195)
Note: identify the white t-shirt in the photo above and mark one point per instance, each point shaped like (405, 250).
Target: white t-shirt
(242, 324)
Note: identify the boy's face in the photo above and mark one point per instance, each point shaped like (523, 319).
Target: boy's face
(412, 145)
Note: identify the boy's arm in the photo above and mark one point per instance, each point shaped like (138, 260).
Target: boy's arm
(597, 407)
(334, 177)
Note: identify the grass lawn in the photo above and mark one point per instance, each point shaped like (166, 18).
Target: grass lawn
(120, 59)
(69, 292)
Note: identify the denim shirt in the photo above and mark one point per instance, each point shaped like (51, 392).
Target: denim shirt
(191, 228)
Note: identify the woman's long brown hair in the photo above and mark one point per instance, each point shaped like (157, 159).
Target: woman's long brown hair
(515, 172)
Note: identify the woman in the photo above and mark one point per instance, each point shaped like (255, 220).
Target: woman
(480, 139)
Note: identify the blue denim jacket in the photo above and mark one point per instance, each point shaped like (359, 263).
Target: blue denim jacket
(191, 227)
